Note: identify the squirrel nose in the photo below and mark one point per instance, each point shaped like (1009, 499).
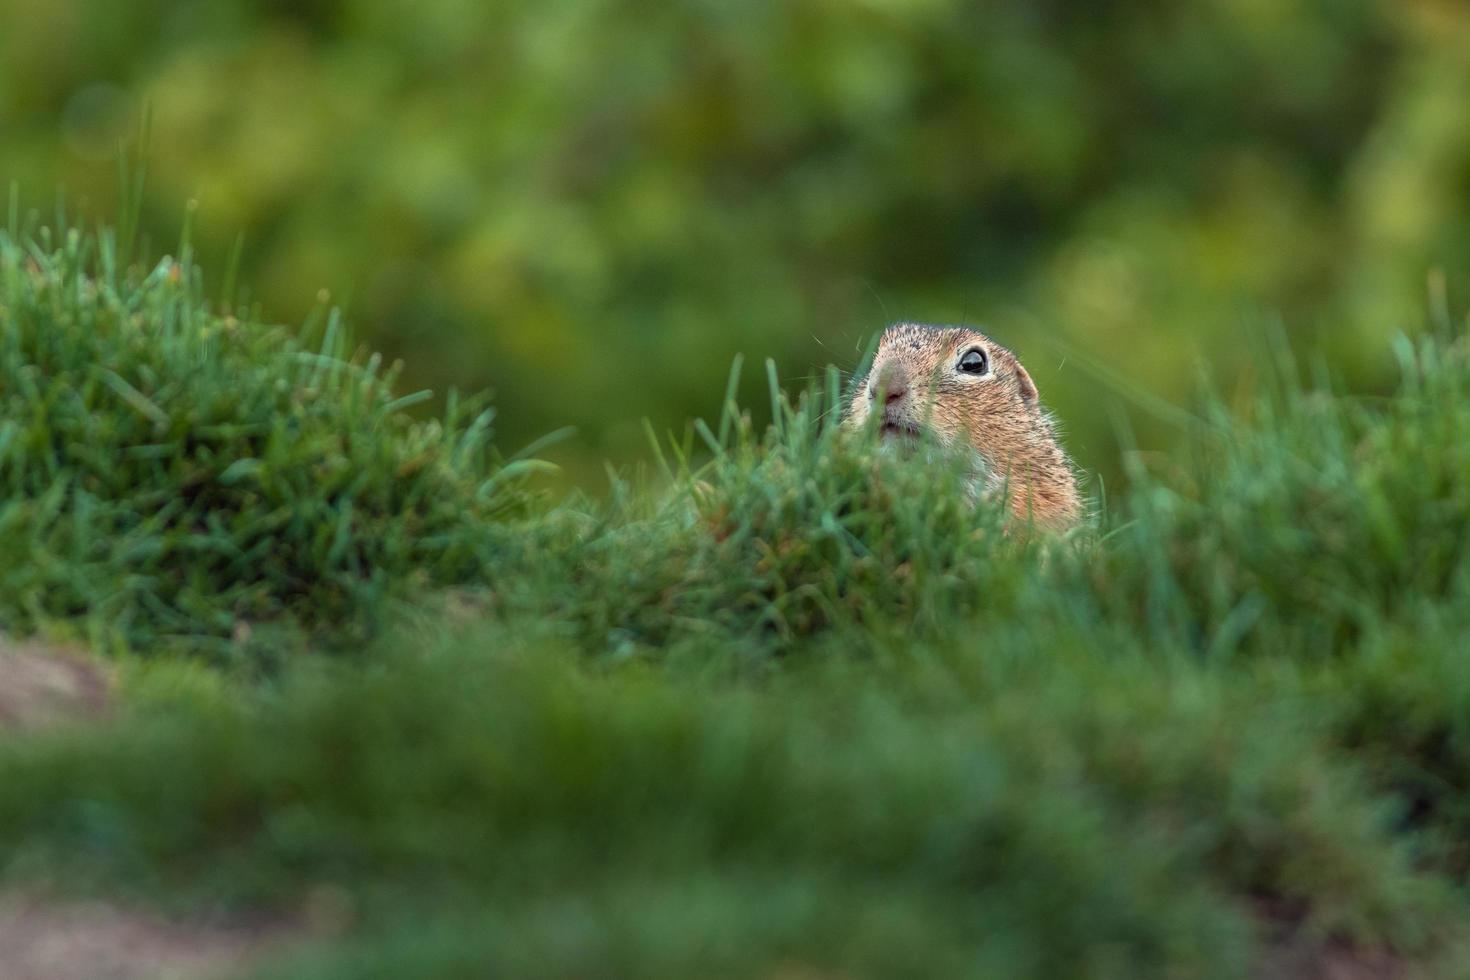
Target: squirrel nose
(890, 385)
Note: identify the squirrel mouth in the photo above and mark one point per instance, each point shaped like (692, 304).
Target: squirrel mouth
(899, 430)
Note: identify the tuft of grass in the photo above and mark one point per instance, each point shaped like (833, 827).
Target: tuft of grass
(1324, 521)
(170, 477)
(1401, 709)
(776, 537)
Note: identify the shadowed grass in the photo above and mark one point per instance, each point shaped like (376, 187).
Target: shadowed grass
(1027, 818)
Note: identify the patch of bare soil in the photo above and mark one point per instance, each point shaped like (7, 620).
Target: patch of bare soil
(1293, 954)
(46, 940)
(43, 939)
(42, 687)
(1329, 962)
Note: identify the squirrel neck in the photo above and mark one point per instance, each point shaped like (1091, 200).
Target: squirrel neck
(1027, 461)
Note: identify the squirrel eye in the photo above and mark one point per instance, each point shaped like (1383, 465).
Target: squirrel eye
(974, 362)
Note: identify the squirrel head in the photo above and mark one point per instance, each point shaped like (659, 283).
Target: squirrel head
(966, 390)
(952, 382)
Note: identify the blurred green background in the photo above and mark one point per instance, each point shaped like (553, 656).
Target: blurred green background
(592, 205)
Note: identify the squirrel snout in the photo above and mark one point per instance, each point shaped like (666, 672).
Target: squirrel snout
(889, 385)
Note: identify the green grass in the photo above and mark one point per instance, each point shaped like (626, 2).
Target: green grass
(174, 478)
(784, 706)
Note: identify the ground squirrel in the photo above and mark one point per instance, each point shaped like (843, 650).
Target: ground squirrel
(965, 389)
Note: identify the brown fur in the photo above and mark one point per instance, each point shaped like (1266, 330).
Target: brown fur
(915, 384)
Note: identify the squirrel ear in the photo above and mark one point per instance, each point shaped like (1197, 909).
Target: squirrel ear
(1024, 383)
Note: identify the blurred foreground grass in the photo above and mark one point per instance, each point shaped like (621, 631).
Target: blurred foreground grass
(782, 708)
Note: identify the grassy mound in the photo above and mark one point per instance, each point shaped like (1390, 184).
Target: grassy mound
(793, 709)
(167, 474)
(780, 537)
